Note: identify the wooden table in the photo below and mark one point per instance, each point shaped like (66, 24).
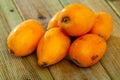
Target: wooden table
(12, 12)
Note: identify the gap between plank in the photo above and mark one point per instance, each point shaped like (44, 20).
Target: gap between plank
(61, 3)
(18, 11)
(4, 19)
(106, 71)
(51, 73)
(110, 5)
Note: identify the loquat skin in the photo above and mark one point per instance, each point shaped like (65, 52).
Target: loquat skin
(54, 21)
(87, 50)
(103, 25)
(76, 19)
(23, 39)
(52, 47)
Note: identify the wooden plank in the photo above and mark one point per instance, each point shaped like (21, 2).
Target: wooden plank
(115, 5)
(52, 7)
(11, 67)
(63, 70)
(64, 3)
(37, 9)
(110, 60)
(33, 9)
(66, 70)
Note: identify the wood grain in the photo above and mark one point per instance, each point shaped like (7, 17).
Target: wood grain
(115, 5)
(12, 12)
(33, 9)
(110, 60)
(16, 68)
(66, 70)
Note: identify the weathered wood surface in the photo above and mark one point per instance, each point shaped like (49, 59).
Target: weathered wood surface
(12, 12)
(115, 5)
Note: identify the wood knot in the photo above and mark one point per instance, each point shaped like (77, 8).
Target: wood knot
(11, 10)
(41, 17)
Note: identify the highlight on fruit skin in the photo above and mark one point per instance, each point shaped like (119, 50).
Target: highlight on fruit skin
(76, 19)
(87, 50)
(23, 39)
(103, 25)
(54, 21)
(52, 47)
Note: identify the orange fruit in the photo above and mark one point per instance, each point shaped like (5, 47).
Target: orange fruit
(54, 21)
(52, 47)
(87, 50)
(76, 19)
(24, 38)
(103, 25)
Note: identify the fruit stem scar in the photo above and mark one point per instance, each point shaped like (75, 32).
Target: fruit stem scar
(44, 64)
(65, 19)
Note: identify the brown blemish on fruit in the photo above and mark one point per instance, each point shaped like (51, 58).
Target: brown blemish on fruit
(101, 35)
(94, 57)
(66, 19)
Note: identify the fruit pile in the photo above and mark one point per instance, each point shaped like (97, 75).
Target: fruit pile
(90, 31)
